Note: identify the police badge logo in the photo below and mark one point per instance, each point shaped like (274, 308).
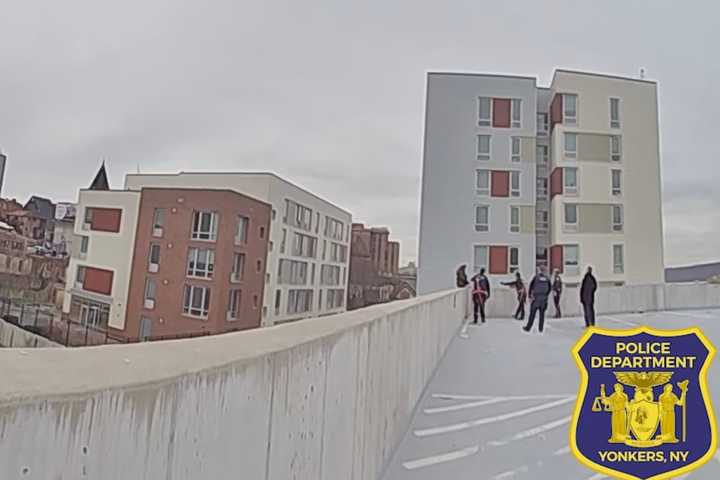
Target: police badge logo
(643, 410)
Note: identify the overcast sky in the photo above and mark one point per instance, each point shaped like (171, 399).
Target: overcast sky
(330, 94)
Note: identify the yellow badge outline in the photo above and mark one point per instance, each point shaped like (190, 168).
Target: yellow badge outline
(584, 379)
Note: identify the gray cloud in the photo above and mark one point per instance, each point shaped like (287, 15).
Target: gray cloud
(329, 94)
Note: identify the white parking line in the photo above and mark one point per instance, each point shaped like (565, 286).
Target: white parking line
(448, 396)
(484, 421)
(562, 451)
(597, 476)
(532, 432)
(619, 320)
(488, 401)
(511, 473)
(442, 458)
(690, 315)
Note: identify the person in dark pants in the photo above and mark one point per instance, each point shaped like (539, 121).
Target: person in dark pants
(539, 292)
(557, 287)
(587, 297)
(461, 280)
(480, 294)
(519, 287)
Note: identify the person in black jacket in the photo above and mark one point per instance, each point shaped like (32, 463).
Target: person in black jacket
(480, 294)
(557, 287)
(461, 277)
(519, 287)
(587, 297)
(539, 292)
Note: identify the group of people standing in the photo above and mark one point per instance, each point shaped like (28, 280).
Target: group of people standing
(539, 291)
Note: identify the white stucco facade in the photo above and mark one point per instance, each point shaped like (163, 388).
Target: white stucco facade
(448, 234)
(105, 250)
(275, 191)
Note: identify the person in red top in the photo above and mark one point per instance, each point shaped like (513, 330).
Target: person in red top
(480, 294)
(519, 287)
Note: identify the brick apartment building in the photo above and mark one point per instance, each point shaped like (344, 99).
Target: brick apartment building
(374, 265)
(168, 261)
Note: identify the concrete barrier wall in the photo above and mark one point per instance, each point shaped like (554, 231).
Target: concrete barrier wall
(609, 300)
(326, 398)
(14, 336)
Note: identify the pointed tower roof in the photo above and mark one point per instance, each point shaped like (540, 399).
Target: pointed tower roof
(101, 181)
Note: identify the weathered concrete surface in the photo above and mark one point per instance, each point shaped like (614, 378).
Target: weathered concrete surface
(326, 398)
(14, 336)
(634, 298)
(499, 406)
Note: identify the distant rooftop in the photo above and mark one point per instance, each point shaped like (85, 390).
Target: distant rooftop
(692, 273)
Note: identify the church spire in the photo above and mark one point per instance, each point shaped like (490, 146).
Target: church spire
(101, 181)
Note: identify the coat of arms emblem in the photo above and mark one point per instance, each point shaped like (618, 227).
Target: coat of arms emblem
(643, 410)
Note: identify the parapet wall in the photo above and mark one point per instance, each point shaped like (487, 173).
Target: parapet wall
(626, 299)
(12, 336)
(321, 399)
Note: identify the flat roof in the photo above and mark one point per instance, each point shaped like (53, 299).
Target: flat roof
(555, 72)
(270, 174)
(605, 75)
(477, 74)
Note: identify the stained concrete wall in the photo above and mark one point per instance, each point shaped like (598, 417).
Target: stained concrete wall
(12, 336)
(325, 398)
(608, 300)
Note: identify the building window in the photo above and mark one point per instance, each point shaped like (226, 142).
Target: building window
(319, 300)
(233, 304)
(570, 181)
(616, 182)
(84, 243)
(338, 253)
(615, 148)
(282, 242)
(618, 260)
(201, 262)
(299, 301)
(159, 218)
(258, 266)
(154, 260)
(278, 294)
(204, 226)
(88, 218)
(298, 216)
(542, 188)
(541, 218)
(150, 293)
(571, 145)
(242, 229)
(329, 275)
(515, 219)
(262, 232)
(483, 147)
(292, 272)
(515, 149)
(335, 299)
(571, 259)
(79, 276)
(196, 301)
(515, 184)
(482, 218)
(514, 263)
(304, 246)
(614, 113)
(570, 109)
(334, 228)
(312, 274)
(516, 112)
(480, 257)
(238, 267)
(484, 111)
(617, 218)
(317, 222)
(542, 123)
(482, 182)
(324, 249)
(571, 217)
(541, 152)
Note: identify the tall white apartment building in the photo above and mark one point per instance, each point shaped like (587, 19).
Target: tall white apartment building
(309, 241)
(516, 175)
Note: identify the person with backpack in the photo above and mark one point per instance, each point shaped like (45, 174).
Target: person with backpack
(480, 295)
(461, 280)
(519, 287)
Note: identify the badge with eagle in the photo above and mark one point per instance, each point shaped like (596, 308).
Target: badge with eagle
(643, 411)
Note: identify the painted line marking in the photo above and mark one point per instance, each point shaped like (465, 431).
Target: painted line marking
(485, 421)
(597, 476)
(448, 396)
(691, 315)
(562, 451)
(619, 320)
(511, 473)
(532, 432)
(462, 406)
(464, 330)
(442, 458)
